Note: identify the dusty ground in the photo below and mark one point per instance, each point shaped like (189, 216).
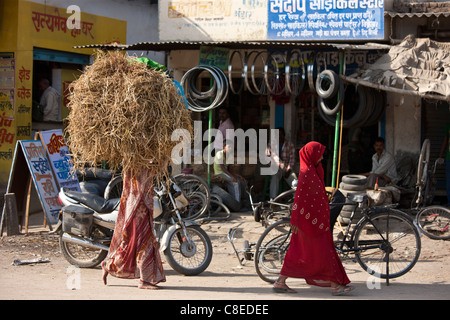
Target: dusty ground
(225, 279)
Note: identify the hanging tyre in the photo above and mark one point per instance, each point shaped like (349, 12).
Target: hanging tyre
(379, 101)
(323, 102)
(354, 107)
(327, 84)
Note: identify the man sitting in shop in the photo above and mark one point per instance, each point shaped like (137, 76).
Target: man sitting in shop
(383, 167)
(236, 184)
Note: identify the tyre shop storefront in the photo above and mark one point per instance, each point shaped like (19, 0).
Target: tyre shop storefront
(258, 104)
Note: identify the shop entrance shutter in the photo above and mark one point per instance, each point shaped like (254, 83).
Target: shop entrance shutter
(435, 115)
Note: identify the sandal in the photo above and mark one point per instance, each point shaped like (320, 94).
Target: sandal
(282, 290)
(342, 290)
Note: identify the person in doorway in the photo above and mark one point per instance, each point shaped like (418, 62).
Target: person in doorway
(311, 254)
(50, 101)
(383, 166)
(226, 128)
(445, 154)
(285, 159)
(236, 184)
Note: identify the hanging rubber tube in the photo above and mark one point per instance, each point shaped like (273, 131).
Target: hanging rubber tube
(199, 101)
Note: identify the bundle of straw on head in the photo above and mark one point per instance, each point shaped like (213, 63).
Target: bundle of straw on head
(124, 113)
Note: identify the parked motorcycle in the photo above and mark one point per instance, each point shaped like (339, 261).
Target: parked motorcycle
(86, 226)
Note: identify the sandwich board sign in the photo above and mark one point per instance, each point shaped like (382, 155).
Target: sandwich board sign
(42, 176)
(60, 160)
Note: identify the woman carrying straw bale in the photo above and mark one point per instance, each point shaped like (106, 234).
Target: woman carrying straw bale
(123, 112)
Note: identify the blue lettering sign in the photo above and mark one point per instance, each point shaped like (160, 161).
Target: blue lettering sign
(325, 19)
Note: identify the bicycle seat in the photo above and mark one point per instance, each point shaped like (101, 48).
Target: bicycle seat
(357, 197)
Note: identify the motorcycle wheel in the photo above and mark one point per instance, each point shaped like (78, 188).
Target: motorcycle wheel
(81, 256)
(185, 259)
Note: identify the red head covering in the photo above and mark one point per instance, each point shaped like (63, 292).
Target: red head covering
(311, 211)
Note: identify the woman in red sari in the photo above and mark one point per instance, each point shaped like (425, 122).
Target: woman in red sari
(133, 253)
(311, 254)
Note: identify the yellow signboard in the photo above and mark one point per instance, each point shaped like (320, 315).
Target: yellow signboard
(24, 26)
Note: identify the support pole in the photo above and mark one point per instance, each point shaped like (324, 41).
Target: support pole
(10, 209)
(209, 145)
(336, 154)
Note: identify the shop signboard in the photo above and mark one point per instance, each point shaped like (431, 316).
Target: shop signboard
(42, 176)
(259, 20)
(216, 20)
(325, 20)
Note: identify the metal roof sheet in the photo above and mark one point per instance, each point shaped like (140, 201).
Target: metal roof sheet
(256, 45)
(416, 14)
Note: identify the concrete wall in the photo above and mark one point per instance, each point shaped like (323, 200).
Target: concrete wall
(141, 17)
(403, 125)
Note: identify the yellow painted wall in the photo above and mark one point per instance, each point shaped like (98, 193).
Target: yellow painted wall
(25, 25)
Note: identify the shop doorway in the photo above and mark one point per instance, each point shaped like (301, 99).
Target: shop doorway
(59, 68)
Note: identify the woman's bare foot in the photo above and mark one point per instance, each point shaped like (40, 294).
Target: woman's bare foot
(105, 273)
(149, 286)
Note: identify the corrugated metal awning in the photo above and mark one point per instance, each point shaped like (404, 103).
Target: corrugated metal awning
(416, 14)
(236, 45)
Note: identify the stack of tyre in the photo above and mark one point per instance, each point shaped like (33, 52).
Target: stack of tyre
(363, 106)
(351, 183)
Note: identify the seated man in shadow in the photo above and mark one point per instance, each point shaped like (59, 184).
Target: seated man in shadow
(383, 167)
(236, 184)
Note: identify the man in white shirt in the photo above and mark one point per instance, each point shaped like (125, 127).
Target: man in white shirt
(225, 124)
(50, 100)
(383, 166)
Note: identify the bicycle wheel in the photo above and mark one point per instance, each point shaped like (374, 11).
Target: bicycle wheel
(271, 249)
(196, 190)
(434, 222)
(422, 166)
(286, 197)
(387, 241)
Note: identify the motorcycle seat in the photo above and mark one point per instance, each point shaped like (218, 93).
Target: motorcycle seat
(93, 201)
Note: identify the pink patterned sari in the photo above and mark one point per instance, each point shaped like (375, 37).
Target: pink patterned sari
(133, 253)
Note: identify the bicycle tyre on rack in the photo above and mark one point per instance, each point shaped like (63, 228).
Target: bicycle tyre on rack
(434, 222)
(271, 248)
(197, 191)
(402, 257)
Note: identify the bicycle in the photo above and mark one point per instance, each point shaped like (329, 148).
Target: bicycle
(279, 209)
(385, 241)
(194, 188)
(267, 211)
(425, 182)
(434, 222)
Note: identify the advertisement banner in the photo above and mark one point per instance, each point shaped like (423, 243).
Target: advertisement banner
(213, 20)
(316, 20)
(43, 178)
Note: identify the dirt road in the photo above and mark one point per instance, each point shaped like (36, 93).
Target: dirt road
(225, 279)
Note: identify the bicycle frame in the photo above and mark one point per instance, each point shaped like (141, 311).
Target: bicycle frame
(366, 212)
